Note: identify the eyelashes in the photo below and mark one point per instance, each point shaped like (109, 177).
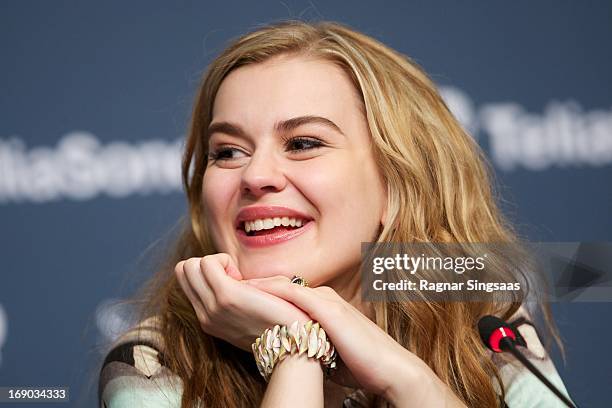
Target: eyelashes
(295, 144)
(222, 154)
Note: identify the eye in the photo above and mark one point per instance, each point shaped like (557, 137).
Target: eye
(294, 144)
(301, 143)
(224, 154)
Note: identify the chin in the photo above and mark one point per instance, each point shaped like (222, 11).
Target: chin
(263, 270)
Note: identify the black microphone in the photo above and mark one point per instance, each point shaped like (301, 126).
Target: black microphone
(499, 336)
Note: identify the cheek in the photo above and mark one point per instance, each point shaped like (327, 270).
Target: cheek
(340, 194)
(217, 193)
(324, 186)
(349, 197)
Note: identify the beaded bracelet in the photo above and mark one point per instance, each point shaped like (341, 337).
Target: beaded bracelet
(278, 342)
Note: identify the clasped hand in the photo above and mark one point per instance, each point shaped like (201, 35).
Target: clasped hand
(238, 310)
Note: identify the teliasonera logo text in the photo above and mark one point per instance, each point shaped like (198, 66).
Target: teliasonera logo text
(564, 135)
(81, 167)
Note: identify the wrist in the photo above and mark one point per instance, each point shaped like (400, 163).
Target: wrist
(411, 380)
(402, 381)
(304, 343)
(297, 381)
(417, 386)
(300, 366)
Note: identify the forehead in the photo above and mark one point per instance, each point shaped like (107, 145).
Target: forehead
(260, 94)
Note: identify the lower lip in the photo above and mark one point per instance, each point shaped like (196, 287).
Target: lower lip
(258, 241)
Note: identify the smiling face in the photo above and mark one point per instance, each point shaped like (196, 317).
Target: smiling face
(289, 140)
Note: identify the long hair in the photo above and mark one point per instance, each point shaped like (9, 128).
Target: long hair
(439, 190)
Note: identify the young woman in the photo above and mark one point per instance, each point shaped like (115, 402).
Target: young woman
(307, 140)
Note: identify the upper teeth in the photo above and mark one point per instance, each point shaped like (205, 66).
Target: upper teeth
(269, 223)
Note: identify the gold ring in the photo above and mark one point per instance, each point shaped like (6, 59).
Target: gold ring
(299, 280)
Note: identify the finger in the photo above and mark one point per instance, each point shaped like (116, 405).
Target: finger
(305, 298)
(261, 304)
(322, 304)
(234, 273)
(218, 268)
(281, 278)
(324, 292)
(342, 324)
(194, 299)
(197, 281)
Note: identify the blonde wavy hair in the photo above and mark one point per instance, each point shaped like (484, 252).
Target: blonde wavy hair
(439, 190)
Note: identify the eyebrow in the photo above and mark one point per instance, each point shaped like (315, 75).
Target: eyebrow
(280, 127)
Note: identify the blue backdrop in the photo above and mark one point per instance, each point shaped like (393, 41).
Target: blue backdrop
(95, 99)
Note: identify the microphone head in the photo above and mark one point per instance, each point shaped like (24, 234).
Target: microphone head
(492, 330)
(487, 325)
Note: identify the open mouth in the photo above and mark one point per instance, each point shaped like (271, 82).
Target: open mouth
(270, 226)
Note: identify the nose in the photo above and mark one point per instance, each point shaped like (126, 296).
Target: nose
(262, 175)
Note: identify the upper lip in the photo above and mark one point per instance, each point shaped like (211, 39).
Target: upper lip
(268, 211)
